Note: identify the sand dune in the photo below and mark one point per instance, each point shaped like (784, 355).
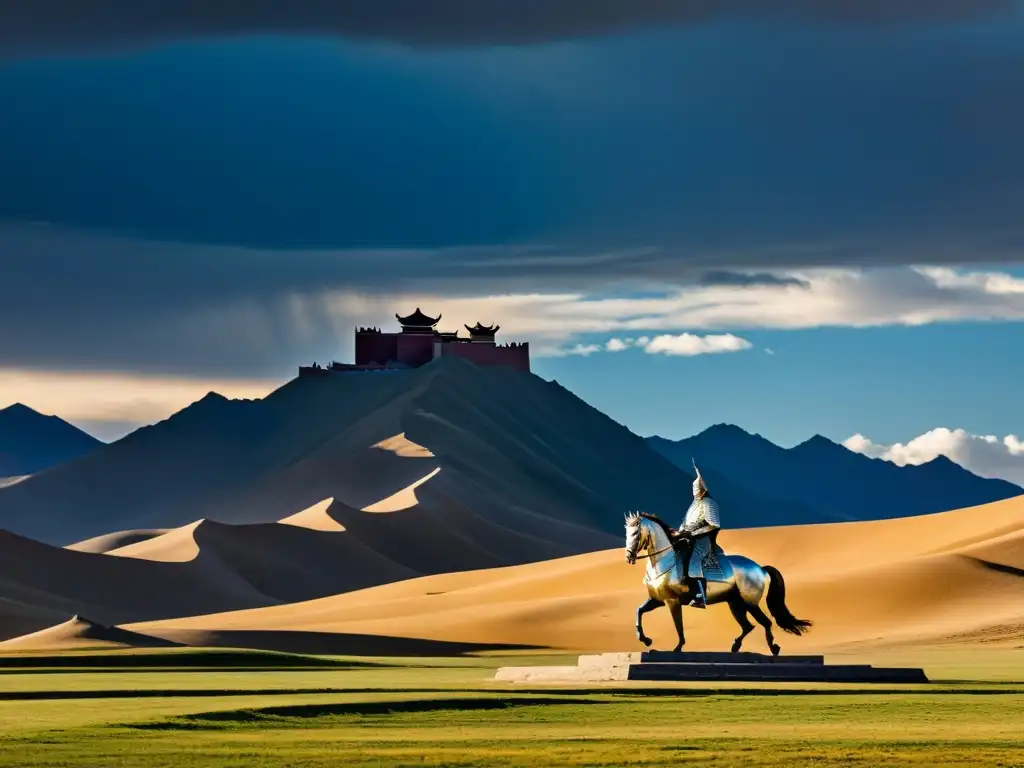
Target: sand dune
(954, 577)
(403, 499)
(285, 562)
(111, 541)
(177, 545)
(402, 446)
(60, 582)
(80, 633)
(9, 481)
(327, 549)
(315, 518)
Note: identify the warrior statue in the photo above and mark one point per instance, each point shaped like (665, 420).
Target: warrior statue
(700, 531)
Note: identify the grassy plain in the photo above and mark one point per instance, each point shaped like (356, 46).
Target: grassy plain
(188, 708)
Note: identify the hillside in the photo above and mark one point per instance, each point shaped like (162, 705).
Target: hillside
(827, 476)
(523, 459)
(31, 442)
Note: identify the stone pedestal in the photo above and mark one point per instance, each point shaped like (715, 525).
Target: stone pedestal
(708, 666)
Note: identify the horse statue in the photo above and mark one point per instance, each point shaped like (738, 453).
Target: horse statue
(741, 588)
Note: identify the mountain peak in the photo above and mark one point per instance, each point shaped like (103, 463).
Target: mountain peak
(31, 441)
(818, 442)
(16, 408)
(726, 430)
(942, 463)
(22, 414)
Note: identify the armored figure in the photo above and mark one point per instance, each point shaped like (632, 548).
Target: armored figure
(699, 529)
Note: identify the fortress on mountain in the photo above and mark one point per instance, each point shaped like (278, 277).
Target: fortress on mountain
(418, 342)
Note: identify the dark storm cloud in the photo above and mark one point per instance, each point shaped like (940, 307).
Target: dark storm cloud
(48, 25)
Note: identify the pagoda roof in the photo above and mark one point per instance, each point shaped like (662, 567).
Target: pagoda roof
(483, 330)
(418, 320)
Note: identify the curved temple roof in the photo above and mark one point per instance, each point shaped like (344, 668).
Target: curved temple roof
(483, 330)
(418, 320)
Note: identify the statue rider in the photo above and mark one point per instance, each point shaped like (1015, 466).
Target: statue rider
(698, 529)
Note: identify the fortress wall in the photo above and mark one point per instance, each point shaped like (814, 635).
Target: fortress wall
(376, 348)
(517, 356)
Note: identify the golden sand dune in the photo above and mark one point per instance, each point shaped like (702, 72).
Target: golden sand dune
(954, 577)
(177, 545)
(284, 562)
(327, 549)
(402, 446)
(112, 590)
(404, 499)
(80, 633)
(315, 518)
(111, 541)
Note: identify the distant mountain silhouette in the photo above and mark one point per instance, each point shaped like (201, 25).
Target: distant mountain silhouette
(831, 478)
(31, 442)
(530, 470)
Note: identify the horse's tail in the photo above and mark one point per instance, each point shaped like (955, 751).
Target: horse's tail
(777, 604)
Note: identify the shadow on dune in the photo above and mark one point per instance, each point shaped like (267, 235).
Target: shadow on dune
(333, 643)
(998, 567)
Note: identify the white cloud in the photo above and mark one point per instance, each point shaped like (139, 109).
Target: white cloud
(618, 345)
(688, 344)
(813, 299)
(583, 350)
(985, 455)
(681, 345)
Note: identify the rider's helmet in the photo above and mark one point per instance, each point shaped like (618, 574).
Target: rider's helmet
(699, 489)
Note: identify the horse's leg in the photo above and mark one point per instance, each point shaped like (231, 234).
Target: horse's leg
(739, 612)
(676, 609)
(643, 608)
(764, 621)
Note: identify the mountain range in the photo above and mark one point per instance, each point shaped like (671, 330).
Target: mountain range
(516, 449)
(834, 480)
(339, 483)
(31, 442)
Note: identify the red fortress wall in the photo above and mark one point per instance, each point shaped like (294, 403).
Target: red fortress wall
(509, 355)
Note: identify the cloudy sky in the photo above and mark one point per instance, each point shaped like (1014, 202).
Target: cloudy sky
(793, 216)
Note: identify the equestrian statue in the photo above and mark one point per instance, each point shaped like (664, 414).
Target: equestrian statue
(687, 566)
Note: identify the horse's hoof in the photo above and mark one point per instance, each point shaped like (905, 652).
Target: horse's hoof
(776, 650)
(678, 648)
(736, 647)
(646, 641)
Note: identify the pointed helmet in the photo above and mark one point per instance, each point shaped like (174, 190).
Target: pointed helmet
(699, 489)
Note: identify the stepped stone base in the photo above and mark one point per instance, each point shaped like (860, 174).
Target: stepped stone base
(690, 667)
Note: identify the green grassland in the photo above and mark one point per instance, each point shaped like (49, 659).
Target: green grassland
(224, 708)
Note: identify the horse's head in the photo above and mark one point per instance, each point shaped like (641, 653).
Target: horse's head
(636, 536)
